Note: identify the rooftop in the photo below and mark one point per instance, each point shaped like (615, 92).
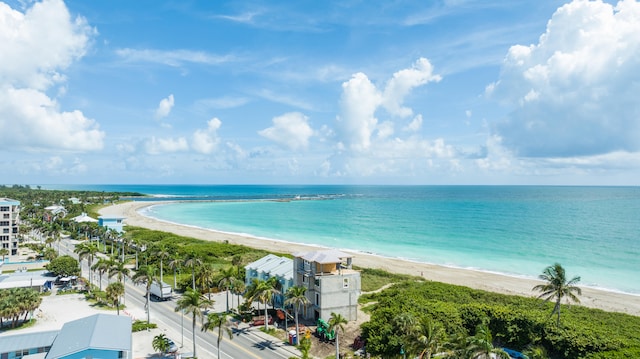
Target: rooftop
(324, 256)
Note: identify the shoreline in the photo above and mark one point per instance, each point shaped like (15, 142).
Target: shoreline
(477, 279)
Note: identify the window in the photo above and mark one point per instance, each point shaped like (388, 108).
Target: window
(317, 299)
(345, 283)
(6, 216)
(4, 209)
(304, 279)
(4, 223)
(120, 354)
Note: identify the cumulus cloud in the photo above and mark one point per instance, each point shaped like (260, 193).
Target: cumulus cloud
(164, 107)
(574, 93)
(156, 146)
(36, 46)
(361, 99)
(206, 140)
(290, 130)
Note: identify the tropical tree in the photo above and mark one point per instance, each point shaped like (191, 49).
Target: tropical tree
(161, 252)
(87, 250)
(407, 324)
(204, 279)
(225, 280)
(238, 287)
(102, 266)
(336, 324)
(297, 298)
(114, 292)
(4, 252)
(215, 320)
(146, 274)
(118, 270)
(64, 266)
(160, 343)
(557, 287)
(262, 291)
(193, 302)
(430, 338)
(175, 263)
(480, 346)
(193, 260)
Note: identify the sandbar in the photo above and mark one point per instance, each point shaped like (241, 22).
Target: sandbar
(591, 297)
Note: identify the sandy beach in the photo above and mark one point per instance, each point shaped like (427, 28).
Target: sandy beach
(610, 301)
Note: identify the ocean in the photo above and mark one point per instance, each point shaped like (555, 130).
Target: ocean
(594, 232)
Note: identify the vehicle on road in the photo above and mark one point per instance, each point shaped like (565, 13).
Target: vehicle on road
(162, 291)
(172, 348)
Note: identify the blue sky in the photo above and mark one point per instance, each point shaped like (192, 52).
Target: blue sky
(354, 92)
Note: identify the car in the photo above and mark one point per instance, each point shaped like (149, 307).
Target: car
(172, 346)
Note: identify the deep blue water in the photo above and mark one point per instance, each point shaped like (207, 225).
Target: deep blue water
(593, 232)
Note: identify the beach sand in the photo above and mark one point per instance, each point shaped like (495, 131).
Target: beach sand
(594, 298)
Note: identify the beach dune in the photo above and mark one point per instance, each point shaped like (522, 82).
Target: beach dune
(594, 298)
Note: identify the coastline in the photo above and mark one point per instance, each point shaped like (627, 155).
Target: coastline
(494, 282)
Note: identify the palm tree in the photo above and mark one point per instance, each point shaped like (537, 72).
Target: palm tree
(161, 252)
(102, 266)
(114, 292)
(481, 345)
(336, 324)
(430, 338)
(146, 274)
(238, 287)
(4, 252)
(215, 320)
(296, 297)
(175, 263)
(557, 287)
(262, 291)
(204, 279)
(225, 280)
(119, 270)
(88, 251)
(193, 260)
(160, 343)
(192, 302)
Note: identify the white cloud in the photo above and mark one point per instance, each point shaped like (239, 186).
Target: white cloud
(401, 84)
(574, 93)
(165, 106)
(357, 121)
(174, 58)
(36, 45)
(290, 130)
(156, 146)
(205, 141)
(415, 124)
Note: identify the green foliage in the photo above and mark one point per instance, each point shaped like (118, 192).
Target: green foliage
(515, 321)
(374, 279)
(64, 266)
(140, 325)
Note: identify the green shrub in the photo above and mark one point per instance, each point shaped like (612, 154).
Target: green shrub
(140, 325)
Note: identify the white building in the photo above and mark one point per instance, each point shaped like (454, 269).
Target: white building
(271, 266)
(332, 285)
(9, 224)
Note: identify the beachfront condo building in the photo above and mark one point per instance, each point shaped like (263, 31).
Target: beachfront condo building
(115, 223)
(332, 285)
(9, 224)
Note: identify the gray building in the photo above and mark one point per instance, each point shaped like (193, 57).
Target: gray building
(332, 285)
(9, 224)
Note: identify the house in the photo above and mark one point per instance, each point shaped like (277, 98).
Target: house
(332, 285)
(115, 223)
(83, 217)
(55, 211)
(9, 224)
(100, 336)
(37, 281)
(272, 266)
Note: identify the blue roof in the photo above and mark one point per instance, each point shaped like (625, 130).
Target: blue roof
(99, 331)
(12, 343)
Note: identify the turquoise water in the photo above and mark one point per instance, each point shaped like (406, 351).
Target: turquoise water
(594, 232)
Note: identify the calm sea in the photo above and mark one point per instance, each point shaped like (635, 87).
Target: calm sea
(594, 232)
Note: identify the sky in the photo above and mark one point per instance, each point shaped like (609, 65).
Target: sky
(519, 92)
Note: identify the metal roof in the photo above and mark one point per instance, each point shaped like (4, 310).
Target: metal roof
(99, 331)
(273, 265)
(13, 343)
(24, 279)
(323, 256)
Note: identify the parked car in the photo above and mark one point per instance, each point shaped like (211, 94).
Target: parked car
(172, 346)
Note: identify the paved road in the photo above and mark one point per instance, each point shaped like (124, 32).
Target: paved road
(247, 342)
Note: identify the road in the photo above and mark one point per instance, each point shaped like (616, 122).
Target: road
(246, 342)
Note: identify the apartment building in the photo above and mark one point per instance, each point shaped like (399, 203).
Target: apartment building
(332, 285)
(9, 224)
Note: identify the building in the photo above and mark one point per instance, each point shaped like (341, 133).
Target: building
(9, 224)
(52, 212)
(332, 285)
(115, 223)
(100, 336)
(38, 280)
(272, 266)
